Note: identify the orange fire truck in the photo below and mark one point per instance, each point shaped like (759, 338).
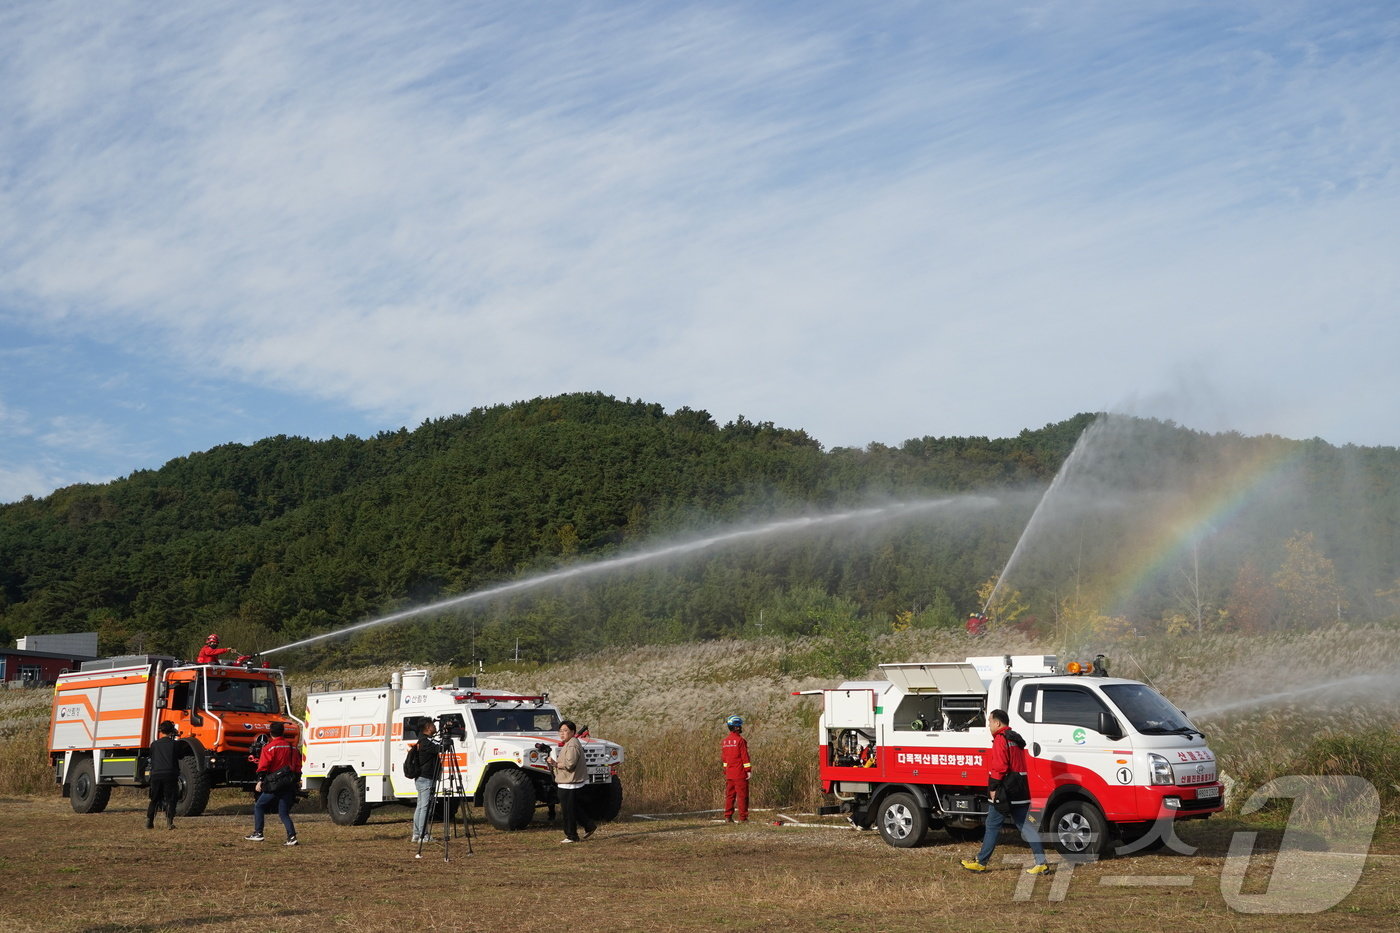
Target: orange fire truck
(106, 714)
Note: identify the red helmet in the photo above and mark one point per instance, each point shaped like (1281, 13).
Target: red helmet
(212, 640)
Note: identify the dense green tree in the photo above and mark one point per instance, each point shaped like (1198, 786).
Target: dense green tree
(288, 538)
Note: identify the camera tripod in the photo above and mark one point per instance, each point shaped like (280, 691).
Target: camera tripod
(449, 790)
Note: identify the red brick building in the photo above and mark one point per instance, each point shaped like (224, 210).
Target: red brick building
(19, 668)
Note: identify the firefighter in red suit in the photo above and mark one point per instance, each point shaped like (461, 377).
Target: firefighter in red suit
(211, 651)
(734, 752)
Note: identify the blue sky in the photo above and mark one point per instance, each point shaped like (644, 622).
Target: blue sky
(223, 221)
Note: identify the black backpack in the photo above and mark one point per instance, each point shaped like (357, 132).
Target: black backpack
(410, 762)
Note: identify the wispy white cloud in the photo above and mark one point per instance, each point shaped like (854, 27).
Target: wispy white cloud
(79, 434)
(823, 215)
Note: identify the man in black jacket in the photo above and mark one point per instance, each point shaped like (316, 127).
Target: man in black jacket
(164, 776)
(429, 763)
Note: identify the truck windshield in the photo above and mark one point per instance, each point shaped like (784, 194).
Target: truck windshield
(1148, 710)
(516, 720)
(240, 695)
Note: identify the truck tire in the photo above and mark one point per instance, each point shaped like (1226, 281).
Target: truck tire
(346, 800)
(1079, 830)
(603, 802)
(84, 793)
(195, 784)
(510, 799)
(902, 821)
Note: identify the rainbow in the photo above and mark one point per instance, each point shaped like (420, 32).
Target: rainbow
(1214, 504)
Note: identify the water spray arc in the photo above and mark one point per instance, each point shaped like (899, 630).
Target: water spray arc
(1351, 686)
(1028, 532)
(771, 529)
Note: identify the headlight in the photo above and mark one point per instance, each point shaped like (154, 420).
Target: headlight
(1160, 769)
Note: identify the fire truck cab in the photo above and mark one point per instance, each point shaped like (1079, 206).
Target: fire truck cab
(1109, 760)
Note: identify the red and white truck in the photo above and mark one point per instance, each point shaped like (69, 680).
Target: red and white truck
(106, 714)
(356, 742)
(1110, 760)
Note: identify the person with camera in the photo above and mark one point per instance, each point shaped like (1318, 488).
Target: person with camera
(1008, 795)
(429, 756)
(570, 769)
(279, 777)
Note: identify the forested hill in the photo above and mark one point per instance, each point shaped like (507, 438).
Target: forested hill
(289, 537)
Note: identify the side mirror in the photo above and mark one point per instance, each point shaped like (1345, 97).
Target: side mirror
(1109, 726)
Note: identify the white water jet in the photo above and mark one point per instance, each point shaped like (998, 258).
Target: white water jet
(782, 527)
(1343, 688)
(1027, 533)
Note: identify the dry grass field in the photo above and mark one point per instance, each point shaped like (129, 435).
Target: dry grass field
(104, 873)
(1331, 708)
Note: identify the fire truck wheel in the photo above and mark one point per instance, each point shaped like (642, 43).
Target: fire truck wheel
(346, 800)
(510, 799)
(902, 821)
(194, 788)
(85, 794)
(1079, 830)
(603, 801)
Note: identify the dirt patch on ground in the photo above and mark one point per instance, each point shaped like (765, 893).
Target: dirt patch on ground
(106, 872)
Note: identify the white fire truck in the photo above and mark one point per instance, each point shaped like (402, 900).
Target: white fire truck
(356, 742)
(1108, 758)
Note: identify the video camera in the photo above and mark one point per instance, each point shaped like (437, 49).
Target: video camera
(449, 726)
(542, 748)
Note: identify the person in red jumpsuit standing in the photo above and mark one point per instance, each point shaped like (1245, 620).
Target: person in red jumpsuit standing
(211, 651)
(734, 752)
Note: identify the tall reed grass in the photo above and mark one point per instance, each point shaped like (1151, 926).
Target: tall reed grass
(667, 706)
(24, 734)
